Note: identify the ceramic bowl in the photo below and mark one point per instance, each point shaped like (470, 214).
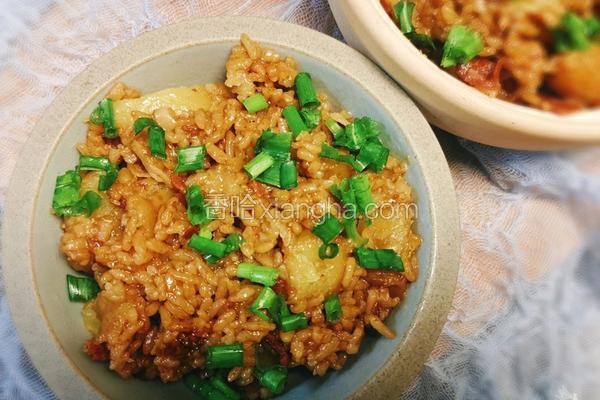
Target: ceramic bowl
(448, 102)
(190, 53)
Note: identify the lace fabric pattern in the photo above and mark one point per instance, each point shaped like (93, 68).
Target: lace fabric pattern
(525, 320)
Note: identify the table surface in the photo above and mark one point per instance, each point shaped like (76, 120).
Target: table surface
(525, 320)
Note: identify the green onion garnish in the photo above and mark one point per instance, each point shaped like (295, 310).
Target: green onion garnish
(142, 123)
(374, 155)
(336, 129)
(592, 26)
(332, 153)
(573, 33)
(279, 310)
(208, 246)
(255, 103)
(257, 273)
(355, 136)
(277, 145)
(100, 164)
(103, 114)
(81, 288)
(225, 356)
(328, 250)
(294, 120)
(333, 308)
(327, 228)
(232, 243)
(351, 232)
(197, 211)
(271, 176)
(310, 117)
(259, 164)
(288, 175)
(156, 141)
(307, 96)
(359, 184)
(190, 158)
(273, 378)
(218, 383)
(204, 388)
(379, 259)
(421, 41)
(266, 300)
(66, 191)
(293, 322)
(462, 45)
(403, 12)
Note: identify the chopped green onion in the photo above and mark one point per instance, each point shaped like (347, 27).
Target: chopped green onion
(271, 176)
(359, 184)
(379, 259)
(293, 322)
(208, 246)
(333, 308)
(81, 289)
(90, 201)
(592, 26)
(103, 114)
(421, 41)
(336, 129)
(572, 33)
(197, 211)
(327, 228)
(307, 96)
(266, 300)
(255, 103)
(273, 378)
(328, 250)
(257, 273)
(344, 193)
(374, 155)
(66, 191)
(190, 158)
(355, 136)
(259, 164)
(332, 153)
(225, 356)
(279, 310)
(142, 123)
(294, 120)
(288, 175)
(156, 141)
(218, 383)
(100, 164)
(277, 145)
(403, 12)
(204, 388)
(369, 126)
(462, 45)
(311, 117)
(351, 232)
(232, 243)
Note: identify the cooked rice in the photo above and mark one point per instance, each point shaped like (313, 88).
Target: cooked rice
(517, 63)
(160, 304)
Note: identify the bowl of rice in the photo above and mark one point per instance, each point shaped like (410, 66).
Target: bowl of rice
(516, 74)
(213, 211)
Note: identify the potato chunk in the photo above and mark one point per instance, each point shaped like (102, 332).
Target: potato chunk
(576, 76)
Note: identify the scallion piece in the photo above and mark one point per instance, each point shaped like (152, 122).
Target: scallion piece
(197, 211)
(218, 383)
(232, 243)
(328, 250)
(403, 11)
(421, 41)
(271, 176)
(255, 103)
(294, 120)
(359, 184)
(66, 191)
(266, 300)
(307, 96)
(277, 145)
(259, 164)
(273, 378)
(327, 228)
(355, 136)
(592, 26)
(351, 232)
(279, 310)
(333, 308)
(103, 114)
(336, 129)
(225, 356)
(462, 45)
(208, 246)
(100, 164)
(81, 289)
(310, 117)
(294, 322)
(190, 158)
(142, 123)
(374, 155)
(379, 259)
(572, 34)
(288, 175)
(332, 153)
(203, 388)
(345, 194)
(156, 141)
(257, 273)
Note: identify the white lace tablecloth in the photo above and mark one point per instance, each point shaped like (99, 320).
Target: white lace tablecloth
(525, 321)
